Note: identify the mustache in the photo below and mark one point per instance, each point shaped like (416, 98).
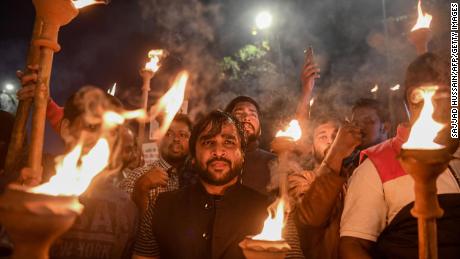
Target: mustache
(222, 159)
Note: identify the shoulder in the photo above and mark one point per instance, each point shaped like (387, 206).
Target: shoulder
(265, 154)
(365, 178)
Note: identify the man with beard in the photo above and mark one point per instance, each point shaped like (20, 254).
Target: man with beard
(376, 220)
(145, 183)
(256, 170)
(317, 193)
(207, 219)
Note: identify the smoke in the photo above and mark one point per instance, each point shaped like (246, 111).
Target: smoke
(353, 44)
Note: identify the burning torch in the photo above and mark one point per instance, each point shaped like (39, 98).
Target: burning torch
(35, 217)
(147, 74)
(50, 16)
(420, 34)
(425, 160)
(270, 243)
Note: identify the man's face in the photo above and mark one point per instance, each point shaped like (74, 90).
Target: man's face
(219, 158)
(174, 145)
(372, 128)
(130, 153)
(79, 128)
(323, 136)
(246, 113)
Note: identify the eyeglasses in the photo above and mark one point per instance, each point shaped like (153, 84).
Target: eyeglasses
(180, 135)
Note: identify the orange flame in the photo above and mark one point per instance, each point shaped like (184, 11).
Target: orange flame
(72, 176)
(170, 103)
(112, 90)
(425, 129)
(423, 20)
(273, 225)
(155, 55)
(395, 88)
(113, 119)
(84, 3)
(72, 179)
(293, 131)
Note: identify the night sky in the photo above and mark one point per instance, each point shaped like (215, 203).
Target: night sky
(107, 44)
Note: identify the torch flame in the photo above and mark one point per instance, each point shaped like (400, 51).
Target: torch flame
(312, 101)
(114, 119)
(375, 89)
(75, 172)
(84, 3)
(273, 225)
(425, 128)
(112, 90)
(423, 20)
(293, 131)
(395, 88)
(170, 103)
(71, 179)
(154, 64)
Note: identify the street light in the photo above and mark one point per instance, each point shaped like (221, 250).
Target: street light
(263, 20)
(9, 87)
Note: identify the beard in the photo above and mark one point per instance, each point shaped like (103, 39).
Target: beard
(174, 153)
(211, 178)
(251, 134)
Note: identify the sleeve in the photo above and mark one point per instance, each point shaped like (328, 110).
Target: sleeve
(54, 114)
(292, 238)
(365, 211)
(127, 184)
(320, 199)
(146, 242)
(299, 183)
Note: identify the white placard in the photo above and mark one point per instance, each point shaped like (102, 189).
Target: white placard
(151, 152)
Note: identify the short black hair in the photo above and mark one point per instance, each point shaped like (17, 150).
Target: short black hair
(216, 119)
(240, 99)
(75, 105)
(428, 68)
(180, 117)
(373, 104)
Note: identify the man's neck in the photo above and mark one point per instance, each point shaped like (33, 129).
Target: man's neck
(218, 190)
(252, 145)
(176, 164)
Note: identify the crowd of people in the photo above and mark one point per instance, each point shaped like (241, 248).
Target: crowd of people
(209, 187)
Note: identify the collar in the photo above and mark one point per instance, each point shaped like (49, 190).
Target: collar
(229, 192)
(163, 163)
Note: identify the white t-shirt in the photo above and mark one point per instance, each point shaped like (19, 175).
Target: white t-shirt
(371, 205)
